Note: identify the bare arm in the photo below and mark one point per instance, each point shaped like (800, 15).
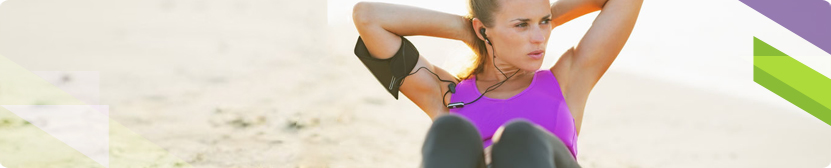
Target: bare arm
(381, 24)
(563, 11)
(579, 69)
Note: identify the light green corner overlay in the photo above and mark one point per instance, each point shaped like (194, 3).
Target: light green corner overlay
(25, 145)
(799, 84)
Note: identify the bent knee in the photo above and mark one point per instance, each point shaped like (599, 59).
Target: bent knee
(519, 127)
(451, 123)
(516, 126)
(524, 131)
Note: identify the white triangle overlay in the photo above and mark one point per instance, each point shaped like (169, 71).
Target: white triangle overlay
(83, 127)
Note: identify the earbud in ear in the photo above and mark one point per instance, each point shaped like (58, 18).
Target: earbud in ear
(482, 30)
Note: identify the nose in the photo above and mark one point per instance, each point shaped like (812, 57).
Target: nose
(538, 35)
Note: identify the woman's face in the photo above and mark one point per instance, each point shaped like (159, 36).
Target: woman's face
(520, 32)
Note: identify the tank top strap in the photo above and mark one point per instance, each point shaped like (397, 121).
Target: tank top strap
(465, 90)
(546, 81)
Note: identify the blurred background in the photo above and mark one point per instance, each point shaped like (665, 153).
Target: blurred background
(255, 83)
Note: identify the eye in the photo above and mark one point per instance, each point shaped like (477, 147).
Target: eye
(523, 24)
(546, 21)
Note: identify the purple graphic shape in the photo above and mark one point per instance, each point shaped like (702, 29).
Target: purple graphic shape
(810, 19)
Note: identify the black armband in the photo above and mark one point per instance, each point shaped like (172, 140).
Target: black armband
(390, 72)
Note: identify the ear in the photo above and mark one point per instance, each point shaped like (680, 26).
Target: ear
(477, 24)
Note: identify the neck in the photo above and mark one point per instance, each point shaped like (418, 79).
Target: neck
(490, 73)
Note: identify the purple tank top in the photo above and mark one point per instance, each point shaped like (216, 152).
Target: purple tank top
(541, 103)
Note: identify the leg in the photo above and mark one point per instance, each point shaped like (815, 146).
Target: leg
(452, 142)
(522, 144)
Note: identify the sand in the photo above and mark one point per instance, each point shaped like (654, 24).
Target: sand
(269, 84)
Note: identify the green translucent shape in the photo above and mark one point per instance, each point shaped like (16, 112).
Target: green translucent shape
(25, 145)
(790, 79)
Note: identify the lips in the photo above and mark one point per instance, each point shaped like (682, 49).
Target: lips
(536, 54)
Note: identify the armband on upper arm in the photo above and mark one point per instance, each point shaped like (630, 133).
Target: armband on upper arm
(389, 72)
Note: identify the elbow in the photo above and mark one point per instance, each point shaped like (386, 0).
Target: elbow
(361, 13)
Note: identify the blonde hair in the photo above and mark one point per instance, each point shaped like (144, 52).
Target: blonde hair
(483, 10)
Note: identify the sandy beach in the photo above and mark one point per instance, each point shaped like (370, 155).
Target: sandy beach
(260, 83)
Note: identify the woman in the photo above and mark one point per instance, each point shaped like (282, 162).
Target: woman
(523, 116)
